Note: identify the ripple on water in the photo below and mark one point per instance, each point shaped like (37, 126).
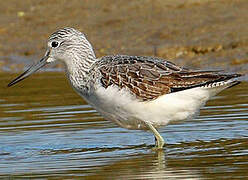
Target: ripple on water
(51, 132)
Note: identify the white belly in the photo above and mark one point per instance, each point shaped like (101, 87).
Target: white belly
(124, 109)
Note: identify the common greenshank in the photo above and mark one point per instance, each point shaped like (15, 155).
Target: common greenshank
(136, 92)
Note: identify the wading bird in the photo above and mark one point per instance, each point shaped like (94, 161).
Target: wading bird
(136, 92)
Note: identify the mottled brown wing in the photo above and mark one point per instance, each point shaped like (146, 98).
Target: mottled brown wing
(148, 77)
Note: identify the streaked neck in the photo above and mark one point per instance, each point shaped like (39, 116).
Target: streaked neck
(79, 65)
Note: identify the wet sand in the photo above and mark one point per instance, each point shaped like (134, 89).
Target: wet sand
(193, 33)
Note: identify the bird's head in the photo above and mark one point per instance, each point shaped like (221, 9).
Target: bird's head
(67, 45)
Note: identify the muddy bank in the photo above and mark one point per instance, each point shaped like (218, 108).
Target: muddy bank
(194, 33)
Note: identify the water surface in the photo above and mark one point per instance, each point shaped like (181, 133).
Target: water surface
(47, 130)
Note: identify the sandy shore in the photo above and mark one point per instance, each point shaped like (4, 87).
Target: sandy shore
(192, 33)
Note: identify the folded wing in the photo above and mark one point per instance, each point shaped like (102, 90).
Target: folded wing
(149, 77)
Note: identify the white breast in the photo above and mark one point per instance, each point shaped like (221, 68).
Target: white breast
(127, 111)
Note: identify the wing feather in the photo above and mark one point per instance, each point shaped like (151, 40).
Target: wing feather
(149, 77)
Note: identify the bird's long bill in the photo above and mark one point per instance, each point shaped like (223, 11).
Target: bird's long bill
(30, 70)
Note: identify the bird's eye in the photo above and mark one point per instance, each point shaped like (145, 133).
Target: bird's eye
(54, 44)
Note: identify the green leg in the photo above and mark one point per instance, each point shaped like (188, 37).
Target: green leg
(159, 139)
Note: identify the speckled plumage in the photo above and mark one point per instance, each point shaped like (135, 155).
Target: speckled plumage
(150, 77)
(136, 92)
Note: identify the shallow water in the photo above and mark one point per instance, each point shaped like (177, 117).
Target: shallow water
(47, 130)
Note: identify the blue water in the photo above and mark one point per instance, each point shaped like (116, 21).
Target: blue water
(49, 131)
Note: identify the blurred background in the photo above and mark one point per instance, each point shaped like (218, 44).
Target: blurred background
(192, 33)
(48, 132)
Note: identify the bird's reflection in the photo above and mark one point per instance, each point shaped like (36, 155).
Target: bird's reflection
(144, 166)
(161, 161)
